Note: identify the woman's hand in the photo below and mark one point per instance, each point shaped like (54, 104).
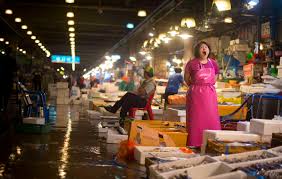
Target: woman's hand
(187, 78)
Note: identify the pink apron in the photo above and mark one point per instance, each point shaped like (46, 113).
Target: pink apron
(201, 107)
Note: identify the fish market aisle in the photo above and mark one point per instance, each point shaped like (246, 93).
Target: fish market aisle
(71, 150)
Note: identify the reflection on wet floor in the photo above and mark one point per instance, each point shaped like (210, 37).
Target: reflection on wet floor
(71, 150)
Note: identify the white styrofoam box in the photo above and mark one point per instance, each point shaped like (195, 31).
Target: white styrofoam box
(34, 120)
(157, 111)
(160, 89)
(103, 132)
(245, 156)
(110, 123)
(243, 126)
(232, 175)
(238, 136)
(265, 127)
(200, 172)
(109, 117)
(279, 71)
(114, 137)
(139, 113)
(141, 152)
(176, 112)
(138, 117)
(263, 161)
(266, 138)
(62, 85)
(157, 169)
(276, 150)
(94, 114)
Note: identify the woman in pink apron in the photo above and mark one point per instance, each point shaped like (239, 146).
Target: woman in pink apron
(201, 107)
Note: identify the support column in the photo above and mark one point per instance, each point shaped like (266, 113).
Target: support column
(188, 50)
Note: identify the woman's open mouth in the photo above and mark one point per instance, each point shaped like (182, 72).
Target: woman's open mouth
(204, 53)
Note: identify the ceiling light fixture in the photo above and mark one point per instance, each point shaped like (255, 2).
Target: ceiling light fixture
(18, 20)
(72, 34)
(40, 44)
(142, 13)
(37, 41)
(24, 27)
(71, 29)
(223, 5)
(70, 22)
(251, 4)
(33, 37)
(84, 69)
(107, 57)
(188, 22)
(29, 32)
(70, 1)
(130, 26)
(70, 14)
(7, 42)
(151, 34)
(24, 52)
(72, 39)
(8, 11)
(228, 20)
(72, 43)
(2, 39)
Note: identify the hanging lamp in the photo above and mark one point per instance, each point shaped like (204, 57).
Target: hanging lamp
(188, 22)
(223, 5)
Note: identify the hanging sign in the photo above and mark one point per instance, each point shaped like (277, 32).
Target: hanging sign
(64, 59)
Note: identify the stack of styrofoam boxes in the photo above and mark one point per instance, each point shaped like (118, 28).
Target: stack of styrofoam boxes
(236, 136)
(139, 115)
(239, 49)
(158, 114)
(161, 169)
(142, 152)
(243, 126)
(114, 137)
(52, 89)
(243, 159)
(280, 69)
(62, 93)
(265, 128)
(175, 115)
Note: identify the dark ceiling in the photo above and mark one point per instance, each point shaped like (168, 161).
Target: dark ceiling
(100, 24)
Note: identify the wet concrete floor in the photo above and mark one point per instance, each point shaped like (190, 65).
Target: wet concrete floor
(71, 150)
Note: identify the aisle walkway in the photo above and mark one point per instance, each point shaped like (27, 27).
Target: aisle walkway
(71, 150)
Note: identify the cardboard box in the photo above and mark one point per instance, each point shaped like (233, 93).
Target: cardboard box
(62, 93)
(265, 127)
(239, 136)
(62, 85)
(243, 158)
(201, 172)
(158, 169)
(62, 100)
(243, 126)
(141, 152)
(34, 120)
(114, 137)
